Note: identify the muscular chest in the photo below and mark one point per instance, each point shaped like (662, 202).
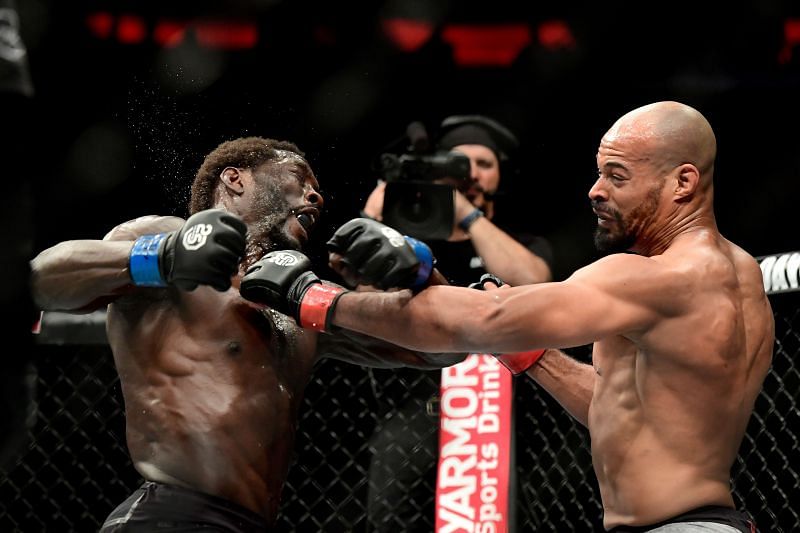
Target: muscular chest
(616, 363)
(615, 399)
(219, 334)
(612, 357)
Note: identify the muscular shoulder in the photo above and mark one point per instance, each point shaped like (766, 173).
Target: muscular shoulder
(132, 229)
(746, 266)
(650, 281)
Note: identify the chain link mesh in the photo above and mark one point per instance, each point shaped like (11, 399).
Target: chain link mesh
(76, 468)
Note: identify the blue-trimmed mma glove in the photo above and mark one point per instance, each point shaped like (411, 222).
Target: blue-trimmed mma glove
(206, 250)
(380, 256)
(283, 280)
(517, 362)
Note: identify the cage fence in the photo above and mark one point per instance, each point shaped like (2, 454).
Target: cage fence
(76, 469)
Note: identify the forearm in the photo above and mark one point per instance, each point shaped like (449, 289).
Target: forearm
(72, 275)
(438, 319)
(569, 381)
(506, 258)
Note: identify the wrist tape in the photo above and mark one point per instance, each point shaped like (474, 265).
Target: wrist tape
(143, 261)
(426, 261)
(519, 362)
(317, 306)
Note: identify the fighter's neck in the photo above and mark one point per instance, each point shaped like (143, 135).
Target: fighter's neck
(665, 235)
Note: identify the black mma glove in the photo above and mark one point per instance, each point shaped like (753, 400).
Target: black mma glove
(380, 256)
(205, 251)
(517, 362)
(284, 281)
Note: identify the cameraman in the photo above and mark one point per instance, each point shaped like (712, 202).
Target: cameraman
(476, 245)
(402, 474)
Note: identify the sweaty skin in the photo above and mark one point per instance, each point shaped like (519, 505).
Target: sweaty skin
(682, 330)
(212, 385)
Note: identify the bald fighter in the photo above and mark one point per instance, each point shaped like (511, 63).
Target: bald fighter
(682, 330)
(212, 384)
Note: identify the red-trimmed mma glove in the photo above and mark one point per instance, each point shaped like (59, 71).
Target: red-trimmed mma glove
(517, 362)
(206, 250)
(284, 281)
(380, 256)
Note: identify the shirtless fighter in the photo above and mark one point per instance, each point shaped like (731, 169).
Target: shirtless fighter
(683, 332)
(212, 384)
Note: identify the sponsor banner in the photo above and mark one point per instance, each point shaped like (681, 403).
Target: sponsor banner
(780, 272)
(472, 483)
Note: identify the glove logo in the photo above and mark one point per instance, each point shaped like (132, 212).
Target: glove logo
(395, 239)
(282, 259)
(195, 237)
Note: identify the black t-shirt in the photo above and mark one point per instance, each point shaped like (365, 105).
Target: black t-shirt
(461, 265)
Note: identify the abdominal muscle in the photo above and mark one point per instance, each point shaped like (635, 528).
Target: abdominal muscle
(206, 416)
(236, 449)
(653, 457)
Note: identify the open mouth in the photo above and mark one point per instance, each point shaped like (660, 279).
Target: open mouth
(307, 217)
(604, 218)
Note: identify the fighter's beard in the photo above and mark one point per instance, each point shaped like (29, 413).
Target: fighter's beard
(270, 233)
(629, 229)
(606, 241)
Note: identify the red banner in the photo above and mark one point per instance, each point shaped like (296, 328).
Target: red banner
(472, 482)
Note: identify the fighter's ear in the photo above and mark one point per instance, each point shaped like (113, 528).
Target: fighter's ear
(686, 182)
(232, 178)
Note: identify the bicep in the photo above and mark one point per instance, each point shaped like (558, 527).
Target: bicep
(133, 229)
(617, 296)
(570, 314)
(84, 275)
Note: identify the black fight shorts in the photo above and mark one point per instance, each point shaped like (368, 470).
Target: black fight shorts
(711, 514)
(168, 508)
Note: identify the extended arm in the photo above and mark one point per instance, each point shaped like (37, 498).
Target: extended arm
(619, 295)
(85, 275)
(144, 254)
(374, 255)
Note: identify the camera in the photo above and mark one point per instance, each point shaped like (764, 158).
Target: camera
(414, 204)
(412, 167)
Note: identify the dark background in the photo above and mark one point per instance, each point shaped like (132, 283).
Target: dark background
(120, 123)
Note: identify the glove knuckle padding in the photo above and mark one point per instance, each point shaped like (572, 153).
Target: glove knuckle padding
(272, 279)
(343, 237)
(377, 253)
(206, 250)
(375, 271)
(231, 240)
(358, 251)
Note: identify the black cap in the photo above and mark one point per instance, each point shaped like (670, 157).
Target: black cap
(477, 129)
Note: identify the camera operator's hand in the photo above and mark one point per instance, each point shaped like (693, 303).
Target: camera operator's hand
(374, 206)
(465, 213)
